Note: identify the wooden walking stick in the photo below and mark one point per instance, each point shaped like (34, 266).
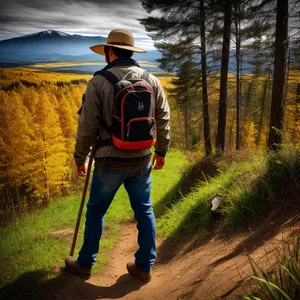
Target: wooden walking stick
(86, 183)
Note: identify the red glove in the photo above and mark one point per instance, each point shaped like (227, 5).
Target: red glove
(81, 170)
(158, 162)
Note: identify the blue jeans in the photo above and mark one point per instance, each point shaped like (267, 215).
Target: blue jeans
(105, 183)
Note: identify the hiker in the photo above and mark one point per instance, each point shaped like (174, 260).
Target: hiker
(123, 154)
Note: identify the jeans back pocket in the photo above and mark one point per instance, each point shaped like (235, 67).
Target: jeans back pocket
(108, 175)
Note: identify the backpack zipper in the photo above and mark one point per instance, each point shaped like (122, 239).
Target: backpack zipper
(138, 119)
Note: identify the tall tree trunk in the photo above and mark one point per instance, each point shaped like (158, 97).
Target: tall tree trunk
(181, 131)
(288, 66)
(248, 98)
(296, 120)
(241, 99)
(186, 121)
(207, 139)
(220, 139)
(286, 84)
(279, 76)
(238, 78)
(18, 199)
(263, 106)
(179, 126)
(298, 93)
(268, 104)
(6, 203)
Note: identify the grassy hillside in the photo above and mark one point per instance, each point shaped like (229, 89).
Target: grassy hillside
(249, 184)
(28, 245)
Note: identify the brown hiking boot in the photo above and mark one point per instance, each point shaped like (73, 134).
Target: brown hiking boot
(137, 272)
(73, 267)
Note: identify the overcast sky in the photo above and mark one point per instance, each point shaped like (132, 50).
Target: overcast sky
(85, 17)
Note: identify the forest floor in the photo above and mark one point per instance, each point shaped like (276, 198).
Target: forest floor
(217, 268)
(208, 260)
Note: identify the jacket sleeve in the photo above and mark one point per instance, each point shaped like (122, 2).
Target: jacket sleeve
(88, 124)
(162, 118)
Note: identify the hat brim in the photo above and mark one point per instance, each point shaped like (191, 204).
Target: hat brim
(99, 49)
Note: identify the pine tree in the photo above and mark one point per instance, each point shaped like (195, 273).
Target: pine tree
(207, 138)
(220, 139)
(185, 22)
(185, 93)
(237, 17)
(279, 76)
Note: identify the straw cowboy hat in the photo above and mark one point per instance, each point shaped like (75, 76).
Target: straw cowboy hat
(119, 38)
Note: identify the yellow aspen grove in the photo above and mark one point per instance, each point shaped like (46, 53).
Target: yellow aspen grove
(38, 117)
(68, 127)
(67, 123)
(16, 147)
(77, 92)
(248, 141)
(71, 99)
(50, 148)
(53, 100)
(30, 98)
(5, 191)
(292, 123)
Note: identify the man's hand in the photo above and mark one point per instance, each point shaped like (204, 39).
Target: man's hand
(81, 170)
(158, 162)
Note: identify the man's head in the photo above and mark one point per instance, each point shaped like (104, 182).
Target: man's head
(119, 43)
(111, 53)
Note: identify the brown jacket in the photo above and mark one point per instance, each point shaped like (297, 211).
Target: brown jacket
(97, 108)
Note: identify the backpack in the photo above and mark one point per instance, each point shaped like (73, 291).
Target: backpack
(133, 124)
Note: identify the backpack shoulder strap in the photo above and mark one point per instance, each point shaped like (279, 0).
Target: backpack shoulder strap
(112, 78)
(145, 76)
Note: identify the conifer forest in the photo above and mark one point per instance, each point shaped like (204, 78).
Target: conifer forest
(233, 85)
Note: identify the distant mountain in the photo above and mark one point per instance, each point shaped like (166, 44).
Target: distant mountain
(46, 45)
(52, 45)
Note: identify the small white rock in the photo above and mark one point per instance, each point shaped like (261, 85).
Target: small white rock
(216, 203)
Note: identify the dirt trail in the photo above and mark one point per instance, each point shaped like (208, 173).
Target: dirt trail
(214, 269)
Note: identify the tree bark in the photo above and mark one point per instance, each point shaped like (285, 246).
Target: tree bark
(186, 121)
(279, 76)
(220, 139)
(298, 93)
(207, 139)
(238, 78)
(179, 126)
(263, 105)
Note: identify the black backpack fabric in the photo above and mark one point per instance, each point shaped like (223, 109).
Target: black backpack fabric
(133, 124)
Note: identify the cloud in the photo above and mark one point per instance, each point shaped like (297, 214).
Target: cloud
(86, 17)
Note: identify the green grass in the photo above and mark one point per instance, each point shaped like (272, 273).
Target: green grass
(263, 189)
(249, 184)
(283, 282)
(248, 187)
(193, 210)
(26, 246)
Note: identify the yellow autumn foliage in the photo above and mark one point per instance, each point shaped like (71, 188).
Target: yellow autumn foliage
(38, 120)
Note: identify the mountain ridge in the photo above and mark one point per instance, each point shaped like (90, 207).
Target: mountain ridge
(50, 45)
